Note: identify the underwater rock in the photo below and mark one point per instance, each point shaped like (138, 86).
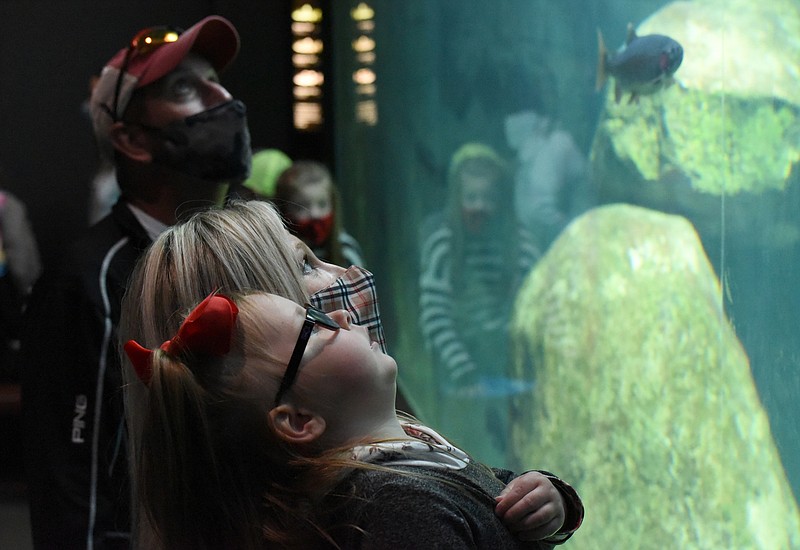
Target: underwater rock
(730, 126)
(643, 398)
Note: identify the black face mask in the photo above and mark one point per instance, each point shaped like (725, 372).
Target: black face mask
(213, 145)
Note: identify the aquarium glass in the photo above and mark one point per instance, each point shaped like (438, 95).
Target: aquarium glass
(583, 221)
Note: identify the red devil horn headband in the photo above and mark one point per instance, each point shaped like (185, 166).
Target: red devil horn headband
(208, 330)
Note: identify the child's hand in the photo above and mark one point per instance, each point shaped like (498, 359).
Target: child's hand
(531, 507)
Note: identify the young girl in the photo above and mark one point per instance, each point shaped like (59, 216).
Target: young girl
(308, 199)
(273, 424)
(472, 264)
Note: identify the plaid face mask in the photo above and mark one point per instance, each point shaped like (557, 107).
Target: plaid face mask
(354, 291)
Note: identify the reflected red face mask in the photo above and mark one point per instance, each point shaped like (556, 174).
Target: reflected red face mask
(475, 219)
(315, 231)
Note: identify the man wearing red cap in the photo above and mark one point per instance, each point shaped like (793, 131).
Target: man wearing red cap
(177, 139)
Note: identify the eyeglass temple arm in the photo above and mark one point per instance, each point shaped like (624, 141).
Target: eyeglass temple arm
(294, 361)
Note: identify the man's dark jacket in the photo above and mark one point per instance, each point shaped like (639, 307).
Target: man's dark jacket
(74, 431)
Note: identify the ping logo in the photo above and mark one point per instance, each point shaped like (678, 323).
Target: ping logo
(78, 422)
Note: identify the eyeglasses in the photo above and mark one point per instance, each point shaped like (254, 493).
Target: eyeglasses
(144, 42)
(314, 317)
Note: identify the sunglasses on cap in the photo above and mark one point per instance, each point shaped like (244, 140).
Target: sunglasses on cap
(314, 317)
(144, 42)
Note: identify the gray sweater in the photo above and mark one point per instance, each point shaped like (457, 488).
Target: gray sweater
(415, 507)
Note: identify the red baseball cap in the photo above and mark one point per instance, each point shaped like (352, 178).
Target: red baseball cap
(214, 38)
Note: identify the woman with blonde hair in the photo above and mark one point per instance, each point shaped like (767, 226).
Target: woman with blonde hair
(220, 474)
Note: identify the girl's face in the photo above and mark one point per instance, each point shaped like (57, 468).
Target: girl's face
(478, 201)
(343, 376)
(312, 201)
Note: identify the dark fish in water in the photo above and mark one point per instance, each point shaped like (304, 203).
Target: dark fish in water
(642, 67)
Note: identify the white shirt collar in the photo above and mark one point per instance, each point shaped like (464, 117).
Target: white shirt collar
(152, 226)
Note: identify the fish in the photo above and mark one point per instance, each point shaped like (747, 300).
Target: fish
(645, 65)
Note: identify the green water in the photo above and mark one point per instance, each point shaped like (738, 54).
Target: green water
(722, 153)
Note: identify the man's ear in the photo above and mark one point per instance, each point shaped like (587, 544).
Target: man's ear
(296, 425)
(130, 141)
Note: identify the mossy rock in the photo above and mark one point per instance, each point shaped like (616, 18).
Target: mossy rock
(720, 144)
(719, 127)
(644, 397)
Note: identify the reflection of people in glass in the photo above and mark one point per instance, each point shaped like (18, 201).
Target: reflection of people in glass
(309, 200)
(551, 176)
(473, 262)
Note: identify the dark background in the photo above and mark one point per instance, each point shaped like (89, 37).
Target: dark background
(49, 49)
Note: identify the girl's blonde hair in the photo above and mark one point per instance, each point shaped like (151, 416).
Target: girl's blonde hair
(212, 473)
(239, 248)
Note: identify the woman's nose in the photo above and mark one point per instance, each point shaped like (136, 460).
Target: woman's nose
(342, 316)
(335, 270)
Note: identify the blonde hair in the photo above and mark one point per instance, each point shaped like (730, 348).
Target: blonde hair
(239, 248)
(243, 246)
(212, 472)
